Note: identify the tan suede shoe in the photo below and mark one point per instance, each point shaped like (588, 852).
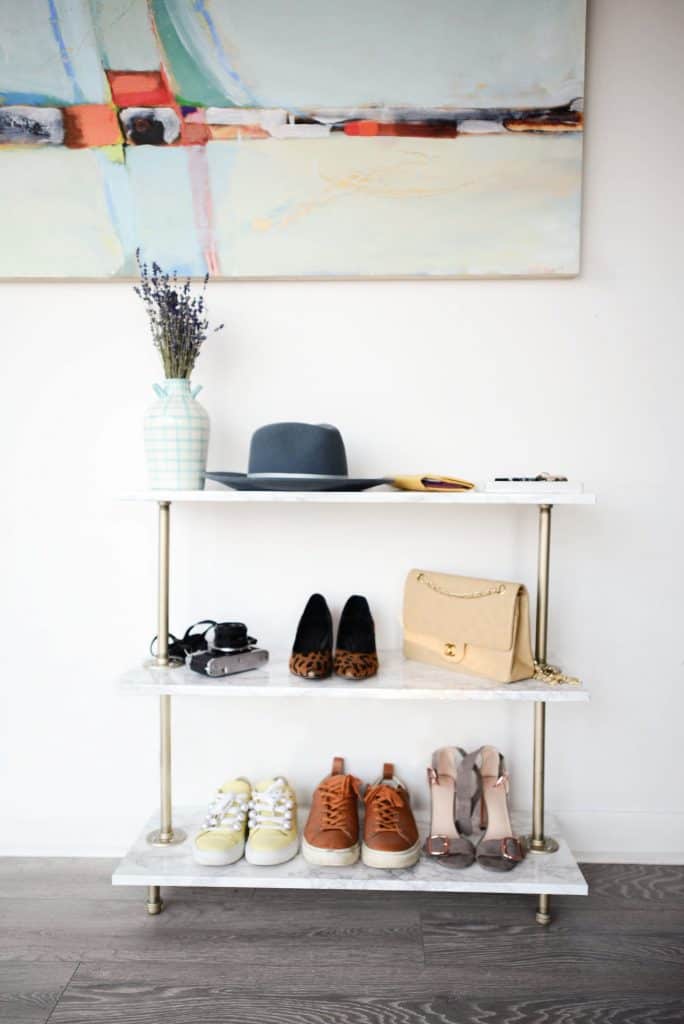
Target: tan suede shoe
(390, 835)
(331, 833)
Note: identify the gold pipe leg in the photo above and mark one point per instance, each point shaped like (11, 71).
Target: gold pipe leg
(543, 915)
(162, 660)
(537, 837)
(537, 842)
(543, 559)
(166, 829)
(163, 584)
(165, 835)
(154, 904)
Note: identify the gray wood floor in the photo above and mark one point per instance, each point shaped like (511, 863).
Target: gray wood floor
(75, 951)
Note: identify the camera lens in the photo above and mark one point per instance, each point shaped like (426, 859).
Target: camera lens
(229, 635)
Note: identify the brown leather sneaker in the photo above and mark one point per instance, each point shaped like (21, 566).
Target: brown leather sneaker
(331, 833)
(390, 835)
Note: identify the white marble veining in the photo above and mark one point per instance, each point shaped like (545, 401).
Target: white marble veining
(555, 874)
(384, 495)
(398, 679)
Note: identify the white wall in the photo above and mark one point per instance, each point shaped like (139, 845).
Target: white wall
(583, 376)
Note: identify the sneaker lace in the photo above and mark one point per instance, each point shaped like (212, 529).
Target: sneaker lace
(271, 808)
(386, 802)
(335, 793)
(227, 810)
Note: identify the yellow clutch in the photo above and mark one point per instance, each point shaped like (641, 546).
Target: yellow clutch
(431, 483)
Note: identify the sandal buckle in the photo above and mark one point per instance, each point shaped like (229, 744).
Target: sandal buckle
(511, 849)
(442, 851)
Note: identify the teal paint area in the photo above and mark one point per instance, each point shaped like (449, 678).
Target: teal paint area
(194, 83)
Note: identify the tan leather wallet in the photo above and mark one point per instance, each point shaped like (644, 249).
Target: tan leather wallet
(431, 482)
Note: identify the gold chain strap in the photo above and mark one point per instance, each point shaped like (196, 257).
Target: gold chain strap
(552, 675)
(499, 588)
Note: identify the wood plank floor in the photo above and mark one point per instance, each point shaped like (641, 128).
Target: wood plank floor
(73, 950)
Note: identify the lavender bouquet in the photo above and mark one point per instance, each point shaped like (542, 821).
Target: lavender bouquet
(178, 319)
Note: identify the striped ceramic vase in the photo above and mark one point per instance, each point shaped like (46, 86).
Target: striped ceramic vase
(176, 438)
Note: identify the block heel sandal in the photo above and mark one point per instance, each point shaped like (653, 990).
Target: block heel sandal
(454, 791)
(499, 849)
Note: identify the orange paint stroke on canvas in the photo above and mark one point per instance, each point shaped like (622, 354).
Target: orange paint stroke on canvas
(91, 124)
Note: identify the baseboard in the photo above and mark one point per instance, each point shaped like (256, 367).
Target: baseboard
(624, 837)
(619, 857)
(594, 836)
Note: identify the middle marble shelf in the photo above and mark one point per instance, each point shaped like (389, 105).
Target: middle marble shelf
(398, 679)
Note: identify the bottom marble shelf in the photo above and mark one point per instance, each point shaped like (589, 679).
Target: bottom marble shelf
(555, 874)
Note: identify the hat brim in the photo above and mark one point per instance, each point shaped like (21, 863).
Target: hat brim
(245, 482)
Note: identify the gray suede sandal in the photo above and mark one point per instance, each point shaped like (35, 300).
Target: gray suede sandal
(499, 849)
(454, 791)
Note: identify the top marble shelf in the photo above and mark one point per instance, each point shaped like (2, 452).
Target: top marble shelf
(372, 497)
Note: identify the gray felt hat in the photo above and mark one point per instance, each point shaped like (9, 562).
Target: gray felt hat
(296, 457)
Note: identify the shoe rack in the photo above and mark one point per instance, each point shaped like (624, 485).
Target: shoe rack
(161, 854)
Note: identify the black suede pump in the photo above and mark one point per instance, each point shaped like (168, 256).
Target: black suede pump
(355, 653)
(312, 649)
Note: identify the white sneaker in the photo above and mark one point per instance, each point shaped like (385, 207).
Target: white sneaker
(222, 838)
(273, 835)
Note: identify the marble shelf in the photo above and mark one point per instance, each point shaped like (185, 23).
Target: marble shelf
(398, 679)
(381, 495)
(555, 874)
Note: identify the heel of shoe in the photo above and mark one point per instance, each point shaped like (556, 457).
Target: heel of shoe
(468, 792)
(499, 849)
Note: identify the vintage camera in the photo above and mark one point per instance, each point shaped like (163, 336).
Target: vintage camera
(230, 649)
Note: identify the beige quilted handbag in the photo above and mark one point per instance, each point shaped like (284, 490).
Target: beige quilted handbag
(480, 627)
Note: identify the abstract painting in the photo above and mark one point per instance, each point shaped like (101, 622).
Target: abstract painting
(291, 138)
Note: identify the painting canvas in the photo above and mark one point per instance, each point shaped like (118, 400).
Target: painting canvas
(291, 138)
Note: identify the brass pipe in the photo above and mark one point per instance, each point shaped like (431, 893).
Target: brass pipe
(542, 627)
(154, 901)
(165, 834)
(543, 915)
(543, 557)
(165, 817)
(163, 585)
(538, 842)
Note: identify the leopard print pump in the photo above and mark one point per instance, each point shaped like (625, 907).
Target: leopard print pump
(312, 649)
(355, 654)
(313, 665)
(351, 665)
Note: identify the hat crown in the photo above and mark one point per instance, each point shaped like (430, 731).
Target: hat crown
(303, 449)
